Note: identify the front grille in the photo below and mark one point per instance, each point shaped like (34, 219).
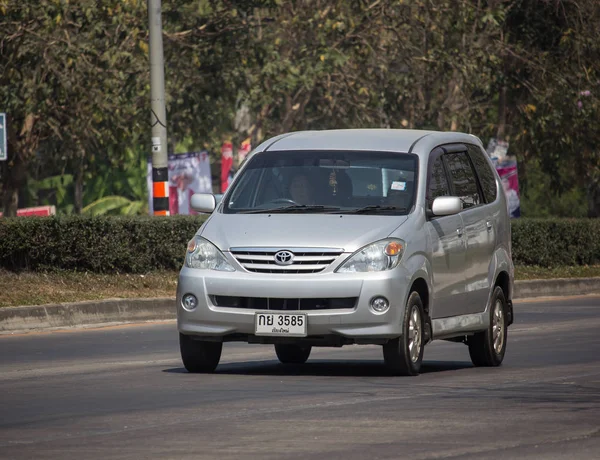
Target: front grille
(305, 260)
(266, 303)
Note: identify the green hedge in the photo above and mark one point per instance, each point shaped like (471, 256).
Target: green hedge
(142, 244)
(556, 242)
(96, 244)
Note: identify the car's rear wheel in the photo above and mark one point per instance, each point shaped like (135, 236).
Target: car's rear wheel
(404, 355)
(487, 348)
(292, 354)
(199, 356)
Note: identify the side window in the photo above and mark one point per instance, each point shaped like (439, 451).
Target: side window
(487, 178)
(437, 184)
(463, 179)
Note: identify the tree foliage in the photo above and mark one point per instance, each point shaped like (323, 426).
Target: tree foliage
(74, 80)
(70, 83)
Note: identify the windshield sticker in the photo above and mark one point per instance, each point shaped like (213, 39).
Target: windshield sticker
(399, 185)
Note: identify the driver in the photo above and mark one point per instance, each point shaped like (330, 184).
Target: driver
(300, 189)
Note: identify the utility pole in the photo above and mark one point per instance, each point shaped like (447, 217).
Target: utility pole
(160, 171)
(3, 138)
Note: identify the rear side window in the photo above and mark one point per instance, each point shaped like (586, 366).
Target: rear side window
(437, 182)
(463, 179)
(487, 179)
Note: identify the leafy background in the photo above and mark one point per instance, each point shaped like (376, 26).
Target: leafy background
(74, 82)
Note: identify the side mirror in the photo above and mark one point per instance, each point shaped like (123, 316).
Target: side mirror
(203, 202)
(446, 206)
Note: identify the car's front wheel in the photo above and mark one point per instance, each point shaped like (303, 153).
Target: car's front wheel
(487, 348)
(292, 354)
(199, 356)
(404, 355)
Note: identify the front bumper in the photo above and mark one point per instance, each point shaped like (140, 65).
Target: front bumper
(359, 323)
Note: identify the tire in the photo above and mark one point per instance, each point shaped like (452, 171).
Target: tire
(199, 356)
(292, 354)
(487, 348)
(404, 355)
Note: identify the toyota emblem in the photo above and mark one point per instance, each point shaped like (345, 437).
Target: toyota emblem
(284, 258)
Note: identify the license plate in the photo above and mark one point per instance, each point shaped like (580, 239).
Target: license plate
(285, 324)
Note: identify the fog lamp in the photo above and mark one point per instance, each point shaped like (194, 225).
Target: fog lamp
(189, 301)
(380, 304)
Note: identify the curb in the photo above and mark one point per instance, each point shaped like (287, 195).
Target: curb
(557, 287)
(77, 314)
(118, 311)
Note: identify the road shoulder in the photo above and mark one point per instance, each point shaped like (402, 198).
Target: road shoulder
(121, 311)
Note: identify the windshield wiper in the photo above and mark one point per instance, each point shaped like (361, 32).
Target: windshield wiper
(294, 208)
(375, 208)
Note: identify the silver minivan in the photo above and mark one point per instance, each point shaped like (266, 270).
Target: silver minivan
(350, 237)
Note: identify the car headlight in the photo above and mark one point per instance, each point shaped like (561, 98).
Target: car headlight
(376, 257)
(203, 254)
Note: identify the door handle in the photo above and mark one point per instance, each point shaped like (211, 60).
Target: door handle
(459, 232)
(489, 225)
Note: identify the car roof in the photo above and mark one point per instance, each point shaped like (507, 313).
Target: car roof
(389, 140)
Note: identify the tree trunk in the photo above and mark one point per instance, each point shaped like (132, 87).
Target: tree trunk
(454, 124)
(79, 187)
(13, 173)
(452, 103)
(501, 131)
(593, 195)
(441, 120)
(13, 179)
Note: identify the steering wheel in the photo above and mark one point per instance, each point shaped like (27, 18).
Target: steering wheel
(284, 200)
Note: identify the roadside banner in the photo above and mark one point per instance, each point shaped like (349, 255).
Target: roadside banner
(189, 173)
(226, 164)
(506, 165)
(510, 183)
(38, 211)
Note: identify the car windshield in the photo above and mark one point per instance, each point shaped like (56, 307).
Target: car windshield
(325, 182)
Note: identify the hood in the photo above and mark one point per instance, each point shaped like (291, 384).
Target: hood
(348, 232)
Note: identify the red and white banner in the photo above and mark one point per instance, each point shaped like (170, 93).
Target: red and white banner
(226, 164)
(40, 211)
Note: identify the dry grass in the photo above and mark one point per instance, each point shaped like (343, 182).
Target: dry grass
(31, 288)
(43, 288)
(531, 273)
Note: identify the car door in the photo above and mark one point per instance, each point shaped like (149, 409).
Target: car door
(446, 245)
(490, 210)
(479, 238)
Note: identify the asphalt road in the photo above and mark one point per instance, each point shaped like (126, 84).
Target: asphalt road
(122, 393)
